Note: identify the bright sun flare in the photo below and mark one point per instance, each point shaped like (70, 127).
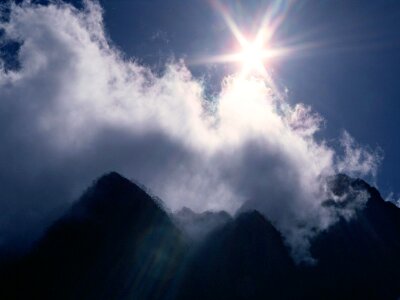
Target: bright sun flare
(253, 57)
(255, 53)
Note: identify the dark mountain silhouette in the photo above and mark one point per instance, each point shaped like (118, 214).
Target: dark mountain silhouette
(358, 258)
(117, 242)
(245, 259)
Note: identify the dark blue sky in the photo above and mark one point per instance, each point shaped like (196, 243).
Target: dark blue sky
(350, 77)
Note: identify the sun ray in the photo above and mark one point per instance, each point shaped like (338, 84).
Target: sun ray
(230, 22)
(257, 51)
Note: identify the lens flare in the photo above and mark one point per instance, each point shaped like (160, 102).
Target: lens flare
(253, 57)
(254, 52)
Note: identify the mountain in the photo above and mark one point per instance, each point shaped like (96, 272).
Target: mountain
(116, 242)
(245, 259)
(358, 258)
(197, 226)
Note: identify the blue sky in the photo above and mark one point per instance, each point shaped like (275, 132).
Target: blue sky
(350, 77)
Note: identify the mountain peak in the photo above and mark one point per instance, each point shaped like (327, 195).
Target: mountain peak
(111, 177)
(245, 259)
(113, 233)
(340, 184)
(114, 181)
(253, 221)
(111, 199)
(112, 192)
(253, 215)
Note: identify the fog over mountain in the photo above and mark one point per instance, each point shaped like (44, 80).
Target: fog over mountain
(197, 226)
(117, 242)
(74, 107)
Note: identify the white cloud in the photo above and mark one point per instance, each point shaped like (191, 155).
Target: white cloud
(358, 161)
(76, 109)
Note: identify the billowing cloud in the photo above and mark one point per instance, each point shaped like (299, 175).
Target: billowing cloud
(76, 109)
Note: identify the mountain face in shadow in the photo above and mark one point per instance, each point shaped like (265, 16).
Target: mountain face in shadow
(245, 259)
(114, 243)
(117, 242)
(358, 258)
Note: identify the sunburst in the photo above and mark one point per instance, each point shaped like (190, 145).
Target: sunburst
(256, 52)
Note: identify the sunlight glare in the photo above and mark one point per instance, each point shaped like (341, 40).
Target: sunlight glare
(255, 52)
(253, 57)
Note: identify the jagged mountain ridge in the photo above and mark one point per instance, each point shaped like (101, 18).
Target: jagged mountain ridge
(117, 242)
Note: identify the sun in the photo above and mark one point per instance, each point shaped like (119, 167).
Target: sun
(255, 54)
(253, 57)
